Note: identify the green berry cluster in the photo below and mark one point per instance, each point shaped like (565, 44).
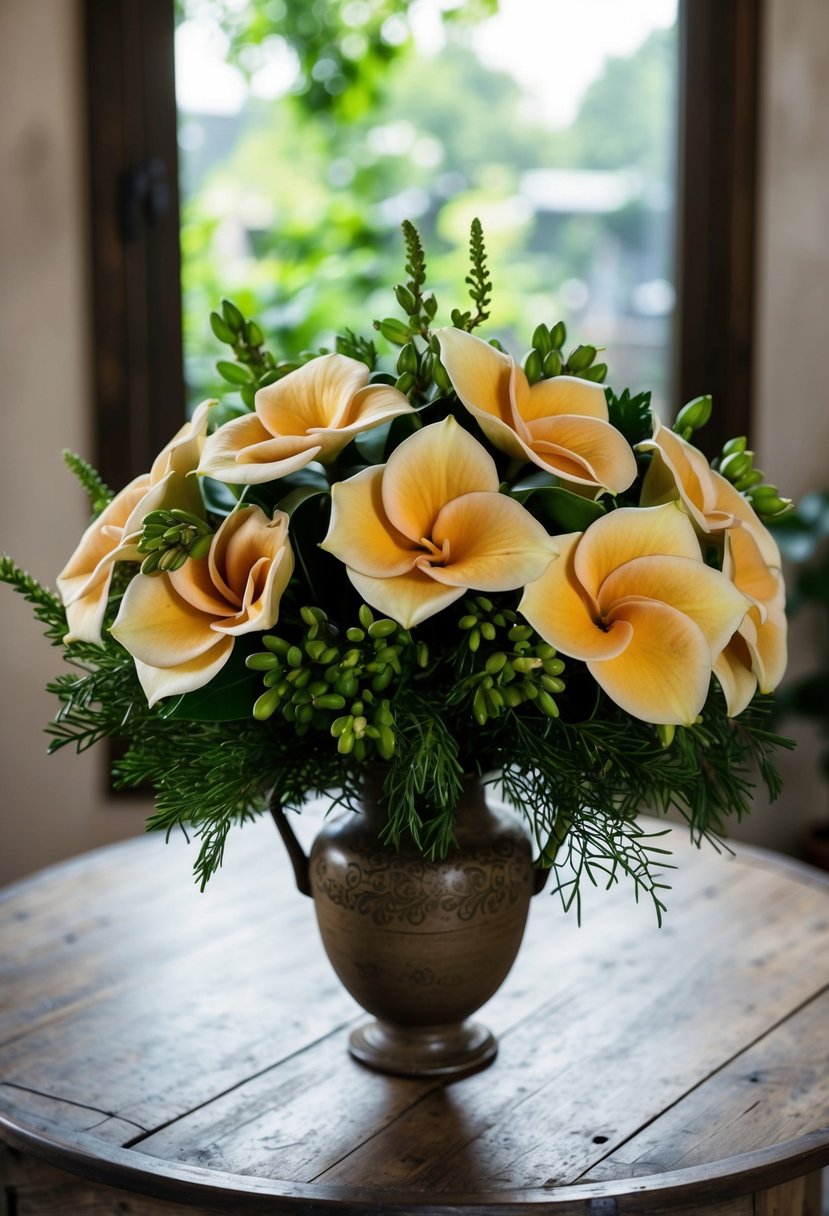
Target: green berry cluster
(737, 465)
(511, 663)
(169, 538)
(334, 682)
(545, 358)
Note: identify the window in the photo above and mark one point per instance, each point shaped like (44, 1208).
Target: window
(556, 124)
(548, 220)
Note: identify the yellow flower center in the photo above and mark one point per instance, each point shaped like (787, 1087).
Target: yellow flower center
(435, 556)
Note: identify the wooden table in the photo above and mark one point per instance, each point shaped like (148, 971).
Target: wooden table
(160, 1047)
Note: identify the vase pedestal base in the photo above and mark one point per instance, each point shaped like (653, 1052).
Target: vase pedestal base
(423, 1051)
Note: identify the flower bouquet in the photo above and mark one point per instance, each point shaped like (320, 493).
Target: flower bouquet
(422, 568)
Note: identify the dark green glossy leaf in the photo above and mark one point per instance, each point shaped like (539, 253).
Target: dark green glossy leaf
(371, 445)
(560, 510)
(319, 570)
(230, 694)
(218, 498)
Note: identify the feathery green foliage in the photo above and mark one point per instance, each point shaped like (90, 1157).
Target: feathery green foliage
(303, 707)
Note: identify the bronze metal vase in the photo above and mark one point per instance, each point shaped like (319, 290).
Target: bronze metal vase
(421, 944)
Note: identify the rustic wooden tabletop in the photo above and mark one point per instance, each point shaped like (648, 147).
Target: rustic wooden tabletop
(161, 1047)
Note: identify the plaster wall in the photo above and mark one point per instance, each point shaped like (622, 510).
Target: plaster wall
(50, 807)
(53, 808)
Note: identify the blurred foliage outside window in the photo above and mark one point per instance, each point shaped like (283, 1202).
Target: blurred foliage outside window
(308, 131)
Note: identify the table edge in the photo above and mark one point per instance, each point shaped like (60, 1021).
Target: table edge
(131, 1170)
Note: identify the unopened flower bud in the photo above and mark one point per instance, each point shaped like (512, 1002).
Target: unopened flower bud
(541, 339)
(552, 364)
(694, 415)
(558, 335)
(581, 358)
(533, 366)
(737, 465)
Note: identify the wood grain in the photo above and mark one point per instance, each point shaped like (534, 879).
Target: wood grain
(191, 1044)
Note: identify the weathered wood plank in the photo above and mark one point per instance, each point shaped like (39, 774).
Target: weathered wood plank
(773, 1092)
(215, 1023)
(612, 1057)
(42, 1110)
(305, 1116)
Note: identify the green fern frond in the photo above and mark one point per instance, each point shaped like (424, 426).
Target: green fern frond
(99, 492)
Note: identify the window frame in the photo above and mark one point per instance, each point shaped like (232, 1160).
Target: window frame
(139, 394)
(720, 57)
(137, 353)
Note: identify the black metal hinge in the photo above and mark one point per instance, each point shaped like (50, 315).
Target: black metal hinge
(144, 198)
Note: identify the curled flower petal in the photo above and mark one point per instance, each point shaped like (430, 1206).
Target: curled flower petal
(158, 682)
(310, 414)
(493, 543)
(557, 606)
(560, 424)
(732, 668)
(562, 395)
(662, 675)
(587, 451)
(158, 626)
(711, 601)
(361, 529)
(480, 375)
(85, 580)
(409, 598)
(416, 532)
(632, 597)
(243, 452)
(630, 532)
(179, 627)
(318, 395)
(679, 470)
(761, 641)
(421, 477)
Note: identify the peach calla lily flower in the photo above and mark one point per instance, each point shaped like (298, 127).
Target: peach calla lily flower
(417, 532)
(756, 654)
(311, 414)
(180, 627)
(632, 597)
(679, 471)
(84, 582)
(561, 424)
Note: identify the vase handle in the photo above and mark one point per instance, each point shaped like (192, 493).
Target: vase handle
(295, 851)
(541, 874)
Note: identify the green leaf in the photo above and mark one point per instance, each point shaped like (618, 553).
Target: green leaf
(221, 329)
(234, 373)
(371, 445)
(230, 694)
(310, 516)
(630, 415)
(298, 496)
(560, 510)
(218, 497)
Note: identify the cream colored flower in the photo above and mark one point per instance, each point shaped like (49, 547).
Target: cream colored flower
(679, 471)
(561, 424)
(84, 582)
(310, 414)
(417, 532)
(756, 654)
(632, 597)
(180, 627)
